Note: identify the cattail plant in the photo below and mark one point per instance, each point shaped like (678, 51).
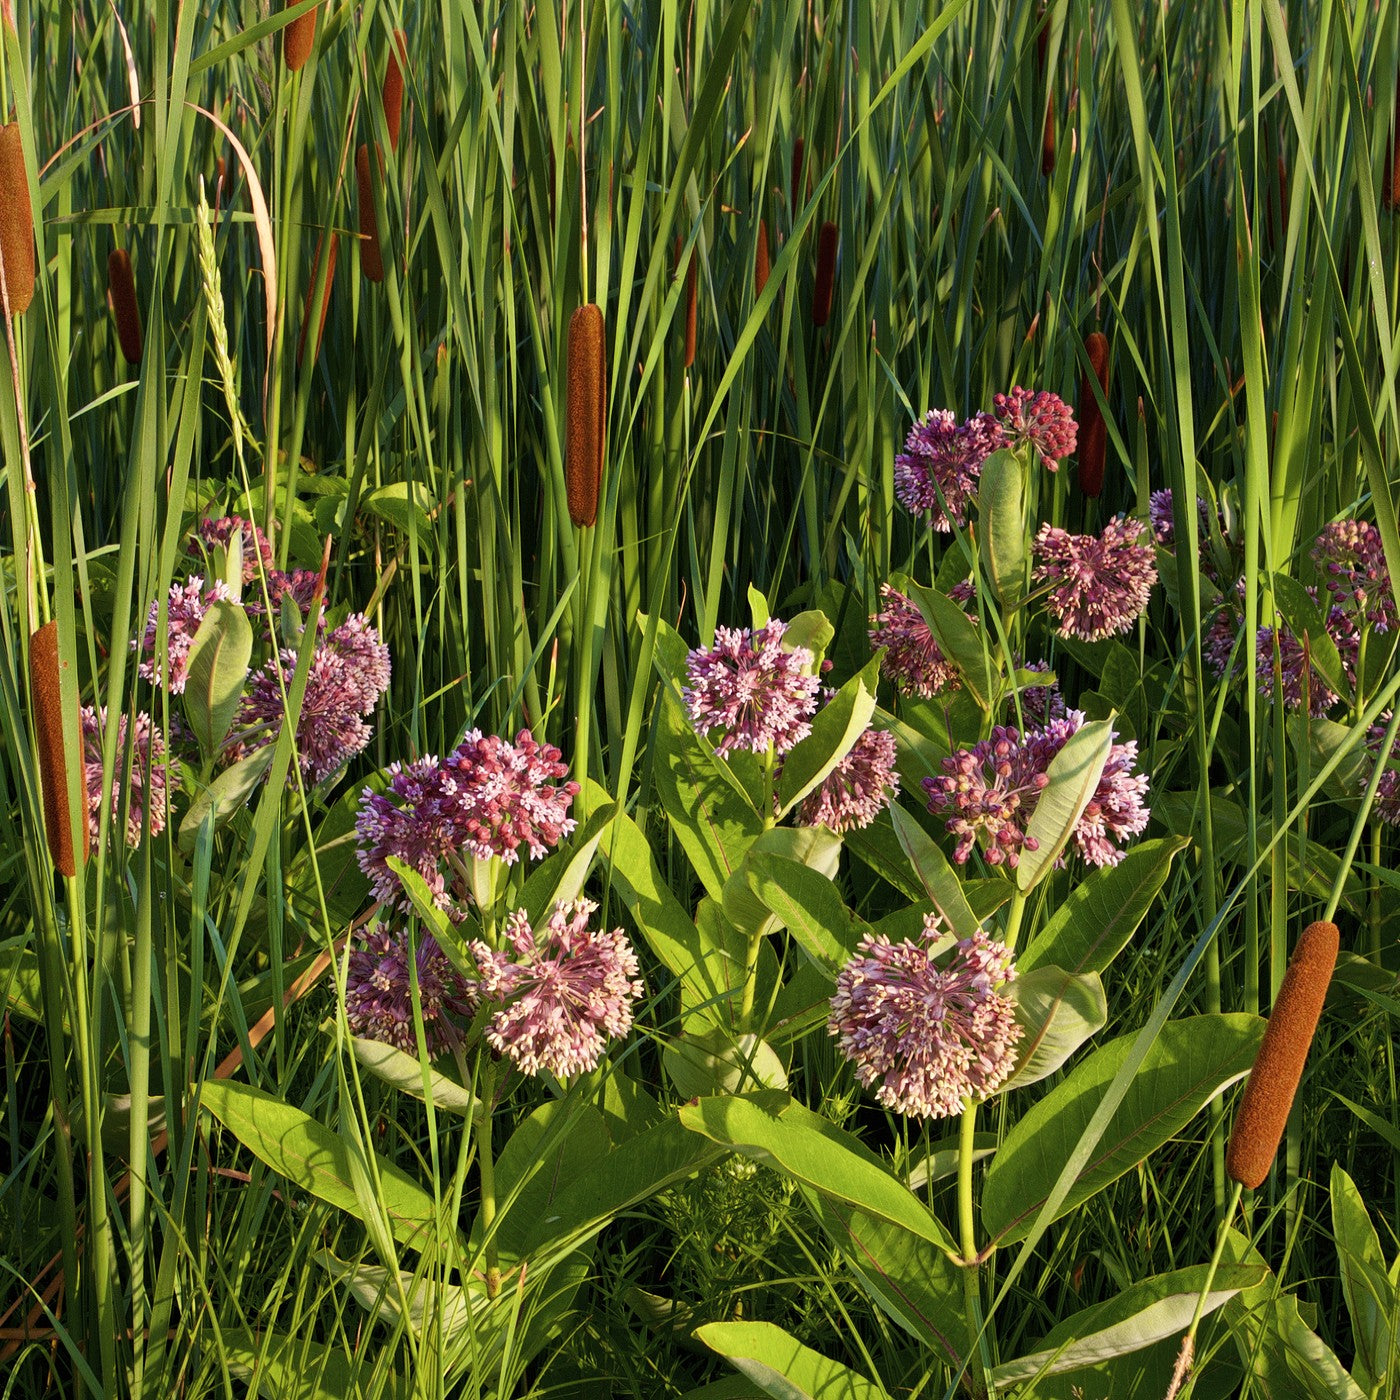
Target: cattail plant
(690, 311)
(16, 223)
(1093, 432)
(1390, 176)
(393, 87)
(1273, 1082)
(828, 240)
(761, 264)
(586, 413)
(371, 257)
(1047, 136)
(121, 290)
(311, 295)
(799, 147)
(53, 768)
(298, 37)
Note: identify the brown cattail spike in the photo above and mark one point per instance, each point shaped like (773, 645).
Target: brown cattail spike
(586, 413)
(299, 36)
(1093, 432)
(16, 222)
(53, 769)
(371, 258)
(1390, 176)
(799, 147)
(311, 295)
(393, 86)
(828, 239)
(1047, 137)
(1273, 1082)
(761, 265)
(690, 311)
(121, 287)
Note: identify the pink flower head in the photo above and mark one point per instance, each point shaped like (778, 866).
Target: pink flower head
(1042, 703)
(379, 993)
(1040, 420)
(1218, 644)
(148, 775)
(415, 819)
(988, 793)
(943, 457)
(928, 1039)
(563, 990)
(184, 611)
(913, 660)
(858, 789)
(254, 542)
(503, 795)
(1352, 559)
(1387, 804)
(754, 690)
(349, 673)
(1098, 585)
(1301, 682)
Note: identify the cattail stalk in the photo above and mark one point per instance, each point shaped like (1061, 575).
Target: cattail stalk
(1093, 432)
(311, 295)
(761, 264)
(299, 37)
(828, 240)
(16, 223)
(393, 87)
(53, 767)
(371, 256)
(586, 414)
(121, 288)
(1273, 1082)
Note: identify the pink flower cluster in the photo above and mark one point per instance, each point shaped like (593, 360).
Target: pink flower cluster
(148, 774)
(1040, 421)
(1387, 804)
(379, 993)
(858, 789)
(989, 794)
(758, 693)
(1351, 558)
(1099, 585)
(487, 798)
(929, 1039)
(184, 611)
(913, 659)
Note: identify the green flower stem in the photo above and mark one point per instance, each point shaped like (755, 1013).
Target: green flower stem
(746, 999)
(972, 1271)
(1182, 1378)
(1011, 931)
(486, 1164)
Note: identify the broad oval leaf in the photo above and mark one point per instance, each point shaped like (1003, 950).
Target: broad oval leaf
(217, 668)
(1001, 513)
(810, 905)
(815, 847)
(781, 1366)
(1074, 775)
(1366, 1286)
(1058, 1011)
(400, 1070)
(1188, 1064)
(937, 877)
(713, 1061)
(835, 729)
(225, 795)
(957, 639)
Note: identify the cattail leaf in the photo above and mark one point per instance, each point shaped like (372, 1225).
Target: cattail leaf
(317, 1159)
(714, 1061)
(284, 1367)
(815, 847)
(227, 794)
(1059, 1011)
(1074, 775)
(776, 1362)
(1366, 1286)
(1102, 912)
(1001, 513)
(1187, 1065)
(936, 876)
(835, 729)
(217, 670)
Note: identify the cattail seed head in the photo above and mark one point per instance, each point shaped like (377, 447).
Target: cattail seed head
(587, 414)
(121, 287)
(761, 264)
(1093, 432)
(690, 312)
(1273, 1082)
(16, 222)
(371, 257)
(311, 295)
(1047, 137)
(828, 240)
(298, 37)
(53, 769)
(799, 148)
(393, 86)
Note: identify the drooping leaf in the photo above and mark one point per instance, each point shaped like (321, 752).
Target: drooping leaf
(295, 1368)
(1366, 1286)
(1305, 620)
(782, 1367)
(216, 670)
(809, 905)
(1190, 1062)
(957, 639)
(1074, 775)
(228, 792)
(835, 729)
(400, 1070)
(815, 847)
(714, 1061)
(1058, 1011)
(1001, 513)
(936, 876)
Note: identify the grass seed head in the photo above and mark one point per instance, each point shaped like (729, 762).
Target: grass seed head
(586, 413)
(1093, 432)
(828, 240)
(298, 37)
(16, 222)
(121, 287)
(371, 256)
(53, 770)
(1273, 1082)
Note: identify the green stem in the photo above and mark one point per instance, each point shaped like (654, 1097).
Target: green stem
(1011, 930)
(486, 1164)
(746, 999)
(971, 1268)
(1183, 1380)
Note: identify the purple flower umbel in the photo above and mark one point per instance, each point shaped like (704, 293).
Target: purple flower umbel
(379, 993)
(1387, 803)
(943, 457)
(254, 543)
(1352, 558)
(1300, 680)
(148, 777)
(928, 1039)
(184, 611)
(563, 990)
(1039, 420)
(415, 819)
(751, 689)
(1099, 585)
(913, 660)
(858, 789)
